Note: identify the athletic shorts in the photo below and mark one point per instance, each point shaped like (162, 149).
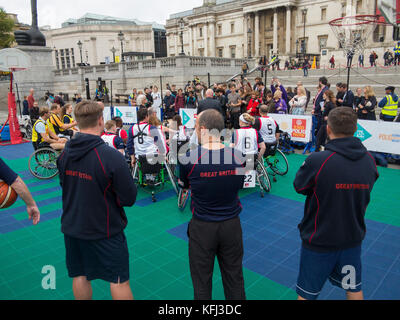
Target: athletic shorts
(40, 145)
(342, 268)
(105, 259)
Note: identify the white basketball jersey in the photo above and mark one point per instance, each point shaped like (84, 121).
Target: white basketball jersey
(143, 144)
(246, 141)
(109, 139)
(268, 129)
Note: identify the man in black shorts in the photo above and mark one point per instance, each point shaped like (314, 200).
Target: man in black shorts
(214, 175)
(96, 185)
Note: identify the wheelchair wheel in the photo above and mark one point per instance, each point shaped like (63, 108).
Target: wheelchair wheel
(262, 177)
(182, 199)
(278, 163)
(43, 163)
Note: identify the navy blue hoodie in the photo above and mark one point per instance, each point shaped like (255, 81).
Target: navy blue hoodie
(337, 183)
(96, 185)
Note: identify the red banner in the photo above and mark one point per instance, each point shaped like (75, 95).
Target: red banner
(299, 128)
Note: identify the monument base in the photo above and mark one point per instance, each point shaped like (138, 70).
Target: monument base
(40, 76)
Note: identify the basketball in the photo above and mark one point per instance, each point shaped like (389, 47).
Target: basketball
(8, 196)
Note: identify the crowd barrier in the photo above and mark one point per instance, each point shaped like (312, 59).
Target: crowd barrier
(377, 136)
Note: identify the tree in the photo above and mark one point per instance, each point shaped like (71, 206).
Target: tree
(6, 30)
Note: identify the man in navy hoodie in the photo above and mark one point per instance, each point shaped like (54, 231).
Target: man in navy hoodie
(338, 183)
(96, 185)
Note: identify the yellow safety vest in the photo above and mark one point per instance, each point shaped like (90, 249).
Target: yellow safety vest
(390, 109)
(37, 137)
(397, 50)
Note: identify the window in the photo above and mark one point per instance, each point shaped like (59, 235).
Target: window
(73, 58)
(220, 52)
(233, 52)
(322, 40)
(219, 29)
(201, 52)
(57, 61)
(67, 58)
(323, 14)
(201, 32)
(271, 24)
(343, 9)
(359, 6)
(232, 27)
(303, 45)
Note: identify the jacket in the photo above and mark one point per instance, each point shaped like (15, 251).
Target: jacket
(96, 184)
(338, 183)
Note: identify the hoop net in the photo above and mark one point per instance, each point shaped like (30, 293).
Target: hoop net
(353, 32)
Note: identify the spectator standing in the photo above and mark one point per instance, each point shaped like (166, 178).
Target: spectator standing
(358, 97)
(280, 104)
(214, 230)
(361, 60)
(318, 103)
(348, 98)
(329, 104)
(252, 107)
(93, 217)
(234, 106)
(221, 98)
(31, 99)
(209, 103)
(338, 183)
(169, 104)
(191, 101)
(366, 108)
(389, 105)
(156, 98)
(179, 101)
(25, 105)
(298, 103)
(306, 65)
(308, 93)
(34, 112)
(332, 62)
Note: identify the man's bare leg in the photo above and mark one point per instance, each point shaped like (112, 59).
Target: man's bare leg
(82, 288)
(121, 291)
(355, 295)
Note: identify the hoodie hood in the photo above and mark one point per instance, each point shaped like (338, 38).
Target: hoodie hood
(81, 144)
(350, 148)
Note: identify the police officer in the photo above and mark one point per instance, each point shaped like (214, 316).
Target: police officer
(397, 54)
(389, 105)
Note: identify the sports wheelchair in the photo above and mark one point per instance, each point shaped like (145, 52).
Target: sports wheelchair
(150, 172)
(275, 161)
(43, 163)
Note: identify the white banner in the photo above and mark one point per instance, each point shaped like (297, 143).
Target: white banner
(188, 117)
(127, 114)
(107, 114)
(379, 136)
(299, 127)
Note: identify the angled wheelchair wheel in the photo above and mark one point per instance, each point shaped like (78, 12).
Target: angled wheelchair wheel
(172, 177)
(278, 163)
(183, 198)
(43, 163)
(263, 178)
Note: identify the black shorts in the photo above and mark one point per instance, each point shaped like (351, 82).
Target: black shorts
(40, 145)
(105, 259)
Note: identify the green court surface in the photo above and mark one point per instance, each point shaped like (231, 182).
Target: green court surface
(159, 267)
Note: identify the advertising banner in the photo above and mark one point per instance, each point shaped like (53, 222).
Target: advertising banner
(299, 127)
(188, 117)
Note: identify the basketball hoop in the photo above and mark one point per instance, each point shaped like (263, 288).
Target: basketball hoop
(353, 32)
(13, 60)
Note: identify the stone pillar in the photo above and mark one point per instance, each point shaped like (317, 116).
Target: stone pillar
(212, 39)
(275, 41)
(245, 37)
(205, 36)
(176, 43)
(190, 41)
(288, 28)
(195, 53)
(257, 34)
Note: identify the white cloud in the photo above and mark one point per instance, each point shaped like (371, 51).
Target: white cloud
(55, 12)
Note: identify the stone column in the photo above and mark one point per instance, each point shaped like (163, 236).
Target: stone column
(245, 37)
(190, 40)
(195, 53)
(257, 34)
(176, 43)
(212, 39)
(275, 41)
(288, 28)
(205, 36)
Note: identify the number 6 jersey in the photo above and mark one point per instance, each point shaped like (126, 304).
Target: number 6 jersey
(246, 140)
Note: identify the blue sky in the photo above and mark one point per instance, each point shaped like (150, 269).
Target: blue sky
(54, 12)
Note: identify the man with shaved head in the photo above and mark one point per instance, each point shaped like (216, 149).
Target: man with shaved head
(209, 103)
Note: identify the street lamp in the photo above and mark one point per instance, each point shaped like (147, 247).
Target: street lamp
(121, 38)
(181, 27)
(304, 12)
(80, 45)
(297, 48)
(249, 32)
(113, 50)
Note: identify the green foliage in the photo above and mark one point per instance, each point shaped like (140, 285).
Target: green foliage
(6, 30)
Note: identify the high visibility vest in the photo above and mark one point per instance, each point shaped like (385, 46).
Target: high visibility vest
(390, 108)
(37, 137)
(397, 50)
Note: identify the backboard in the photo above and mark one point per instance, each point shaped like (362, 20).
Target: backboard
(390, 11)
(14, 60)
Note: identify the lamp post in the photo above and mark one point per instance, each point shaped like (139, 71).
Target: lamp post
(80, 45)
(113, 50)
(181, 27)
(297, 48)
(304, 12)
(121, 38)
(249, 32)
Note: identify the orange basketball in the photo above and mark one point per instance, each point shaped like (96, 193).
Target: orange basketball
(8, 196)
